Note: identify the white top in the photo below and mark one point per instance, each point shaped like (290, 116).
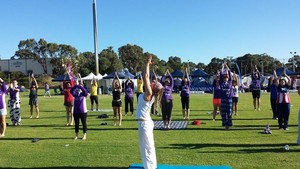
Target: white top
(143, 108)
(235, 91)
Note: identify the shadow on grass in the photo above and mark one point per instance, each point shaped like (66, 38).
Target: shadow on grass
(234, 128)
(114, 128)
(71, 167)
(37, 139)
(258, 127)
(52, 111)
(242, 148)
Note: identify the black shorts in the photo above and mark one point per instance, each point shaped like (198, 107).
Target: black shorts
(256, 94)
(33, 101)
(116, 103)
(235, 99)
(69, 104)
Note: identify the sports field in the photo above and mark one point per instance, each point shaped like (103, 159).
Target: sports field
(244, 146)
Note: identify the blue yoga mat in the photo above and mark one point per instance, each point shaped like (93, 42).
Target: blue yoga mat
(164, 166)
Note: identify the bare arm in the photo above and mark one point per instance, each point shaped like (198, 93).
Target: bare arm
(114, 81)
(235, 77)
(36, 84)
(187, 74)
(288, 77)
(148, 90)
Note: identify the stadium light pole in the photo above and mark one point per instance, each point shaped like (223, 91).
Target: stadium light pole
(262, 63)
(293, 59)
(95, 35)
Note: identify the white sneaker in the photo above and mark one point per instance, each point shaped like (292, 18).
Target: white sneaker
(84, 136)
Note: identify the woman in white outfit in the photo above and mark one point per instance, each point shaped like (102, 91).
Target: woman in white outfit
(145, 124)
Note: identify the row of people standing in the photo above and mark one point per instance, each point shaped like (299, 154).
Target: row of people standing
(225, 96)
(165, 102)
(129, 97)
(14, 103)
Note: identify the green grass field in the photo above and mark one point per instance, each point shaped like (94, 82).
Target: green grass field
(244, 146)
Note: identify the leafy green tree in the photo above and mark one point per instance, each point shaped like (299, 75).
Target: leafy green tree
(109, 61)
(199, 65)
(87, 63)
(66, 54)
(158, 65)
(174, 63)
(31, 49)
(214, 65)
(131, 57)
(265, 63)
(42, 50)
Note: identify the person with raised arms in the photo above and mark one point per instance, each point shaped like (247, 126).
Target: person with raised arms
(145, 124)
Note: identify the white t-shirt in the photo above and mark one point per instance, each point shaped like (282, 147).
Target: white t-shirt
(143, 108)
(235, 91)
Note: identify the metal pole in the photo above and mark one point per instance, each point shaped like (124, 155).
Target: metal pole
(95, 36)
(293, 59)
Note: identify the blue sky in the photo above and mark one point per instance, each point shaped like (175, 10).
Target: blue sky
(194, 30)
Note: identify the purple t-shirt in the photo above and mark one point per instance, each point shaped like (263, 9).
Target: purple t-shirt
(167, 90)
(185, 89)
(79, 99)
(2, 95)
(217, 90)
(14, 94)
(226, 87)
(255, 81)
(129, 89)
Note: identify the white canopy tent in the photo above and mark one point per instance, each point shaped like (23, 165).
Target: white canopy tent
(99, 76)
(89, 77)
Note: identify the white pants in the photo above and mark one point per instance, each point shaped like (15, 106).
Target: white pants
(146, 143)
(298, 141)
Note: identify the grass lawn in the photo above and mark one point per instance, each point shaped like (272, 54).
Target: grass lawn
(244, 146)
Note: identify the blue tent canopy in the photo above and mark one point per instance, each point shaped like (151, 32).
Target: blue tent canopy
(62, 78)
(142, 74)
(279, 72)
(177, 73)
(199, 73)
(128, 75)
(112, 75)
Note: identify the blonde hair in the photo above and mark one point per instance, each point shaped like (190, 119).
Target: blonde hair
(158, 96)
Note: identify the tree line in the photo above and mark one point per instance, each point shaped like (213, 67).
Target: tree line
(131, 57)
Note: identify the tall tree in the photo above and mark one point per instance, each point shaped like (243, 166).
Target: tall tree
(131, 57)
(65, 54)
(42, 50)
(109, 61)
(87, 63)
(214, 65)
(35, 50)
(199, 65)
(174, 63)
(158, 65)
(265, 63)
